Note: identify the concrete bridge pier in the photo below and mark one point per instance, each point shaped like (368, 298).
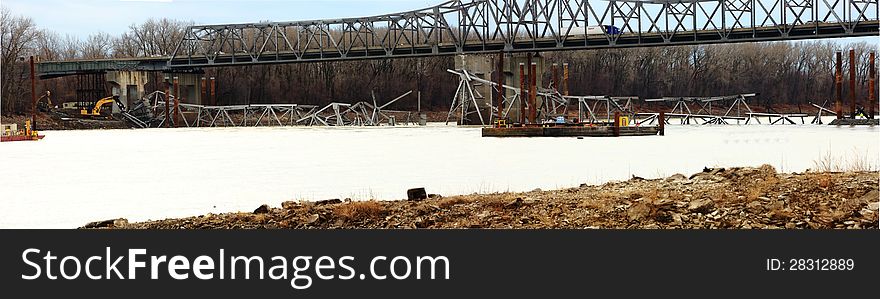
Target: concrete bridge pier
(131, 86)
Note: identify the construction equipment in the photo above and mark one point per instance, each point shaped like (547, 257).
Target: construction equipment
(45, 106)
(96, 110)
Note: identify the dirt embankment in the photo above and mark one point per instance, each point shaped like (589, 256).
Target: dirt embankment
(57, 123)
(741, 198)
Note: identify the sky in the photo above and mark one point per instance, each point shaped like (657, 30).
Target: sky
(83, 17)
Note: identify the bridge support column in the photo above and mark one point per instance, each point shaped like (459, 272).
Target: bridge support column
(130, 86)
(486, 67)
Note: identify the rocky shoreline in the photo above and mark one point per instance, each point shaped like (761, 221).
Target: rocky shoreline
(738, 198)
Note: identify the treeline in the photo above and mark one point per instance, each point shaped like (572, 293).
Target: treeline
(783, 72)
(787, 73)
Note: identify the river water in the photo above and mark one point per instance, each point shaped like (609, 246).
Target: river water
(74, 177)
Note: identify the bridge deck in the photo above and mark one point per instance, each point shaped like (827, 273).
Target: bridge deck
(314, 41)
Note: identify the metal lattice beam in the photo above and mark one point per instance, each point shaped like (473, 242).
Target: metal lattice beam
(482, 26)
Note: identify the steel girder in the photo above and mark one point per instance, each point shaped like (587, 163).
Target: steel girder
(483, 26)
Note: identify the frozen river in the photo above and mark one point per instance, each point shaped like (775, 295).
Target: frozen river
(74, 177)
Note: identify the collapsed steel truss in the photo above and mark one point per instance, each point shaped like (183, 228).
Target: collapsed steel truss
(268, 115)
(481, 26)
(601, 109)
(467, 98)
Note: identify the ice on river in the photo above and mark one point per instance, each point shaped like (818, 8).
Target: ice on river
(74, 177)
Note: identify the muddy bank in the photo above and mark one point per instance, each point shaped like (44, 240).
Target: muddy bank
(56, 123)
(740, 198)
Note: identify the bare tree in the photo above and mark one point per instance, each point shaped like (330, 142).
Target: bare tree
(97, 46)
(18, 36)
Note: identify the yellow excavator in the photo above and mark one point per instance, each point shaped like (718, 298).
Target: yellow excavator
(96, 110)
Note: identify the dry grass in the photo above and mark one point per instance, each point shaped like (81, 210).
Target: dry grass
(855, 162)
(861, 163)
(261, 218)
(358, 210)
(453, 201)
(763, 185)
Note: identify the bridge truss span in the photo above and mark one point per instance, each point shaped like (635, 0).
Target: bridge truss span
(484, 26)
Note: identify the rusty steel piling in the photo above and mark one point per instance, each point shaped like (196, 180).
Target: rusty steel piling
(556, 82)
(500, 76)
(838, 80)
(852, 83)
(204, 90)
(662, 121)
(533, 93)
(565, 79)
(176, 102)
(167, 102)
(522, 93)
(33, 95)
(213, 91)
(872, 77)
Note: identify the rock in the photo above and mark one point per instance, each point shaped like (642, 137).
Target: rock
(537, 190)
(328, 202)
(288, 205)
(676, 178)
(852, 205)
(755, 207)
(516, 203)
(701, 206)
(434, 196)
(652, 226)
(790, 225)
(112, 223)
(777, 205)
(264, 209)
(121, 222)
(638, 211)
(872, 196)
(780, 215)
(768, 170)
(663, 217)
(874, 206)
(416, 194)
(529, 200)
(707, 177)
(314, 218)
(676, 219)
(710, 171)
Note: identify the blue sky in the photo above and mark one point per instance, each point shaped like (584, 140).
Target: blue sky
(83, 17)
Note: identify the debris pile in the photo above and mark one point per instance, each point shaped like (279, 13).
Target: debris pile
(737, 198)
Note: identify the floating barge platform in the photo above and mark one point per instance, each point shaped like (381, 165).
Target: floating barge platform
(572, 131)
(10, 133)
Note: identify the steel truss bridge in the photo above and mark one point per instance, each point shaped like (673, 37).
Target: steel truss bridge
(492, 26)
